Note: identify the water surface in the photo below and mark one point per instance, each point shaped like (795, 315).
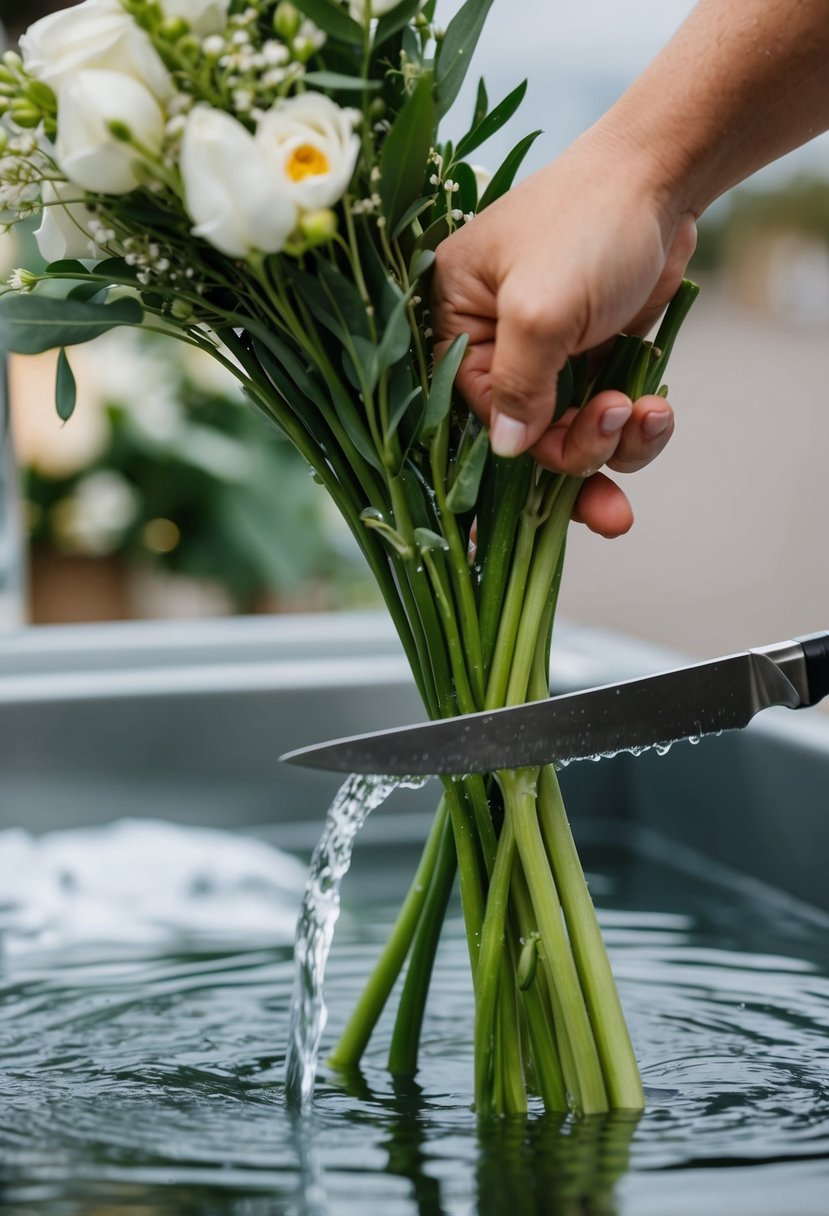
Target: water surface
(142, 1072)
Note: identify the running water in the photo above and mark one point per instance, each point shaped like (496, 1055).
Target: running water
(318, 914)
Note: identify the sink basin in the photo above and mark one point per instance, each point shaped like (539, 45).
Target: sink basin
(185, 721)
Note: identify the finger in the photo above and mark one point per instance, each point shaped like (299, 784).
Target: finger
(647, 432)
(583, 440)
(525, 365)
(474, 379)
(603, 507)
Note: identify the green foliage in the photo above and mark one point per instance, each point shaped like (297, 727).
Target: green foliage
(457, 49)
(405, 152)
(31, 323)
(66, 390)
(332, 18)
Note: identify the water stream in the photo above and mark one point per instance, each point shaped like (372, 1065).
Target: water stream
(320, 909)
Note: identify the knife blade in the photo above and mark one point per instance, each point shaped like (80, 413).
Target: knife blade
(689, 702)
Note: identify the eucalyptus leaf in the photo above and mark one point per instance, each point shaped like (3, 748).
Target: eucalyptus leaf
(31, 324)
(66, 390)
(464, 493)
(405, 155)
(332, 18)
(505, 176)
(457, 48)
(493, 122)
(440, 393)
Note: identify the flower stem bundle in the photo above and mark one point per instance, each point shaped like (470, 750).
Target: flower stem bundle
(267, 182)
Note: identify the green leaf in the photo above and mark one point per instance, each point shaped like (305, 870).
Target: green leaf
(374, 518)
(422, 263)
(464, 493)
(411, 213)
(434, 234)
(400, 410)
(493, 122)
(31, 324)
(397, 334)
(340, 82)
(457, 49)
(440, 393)
(332, 18)
(481, 105)
(505, 176)
(66, 391)
(391, 22)
(67, 266)
(431, 541)
(405, 155)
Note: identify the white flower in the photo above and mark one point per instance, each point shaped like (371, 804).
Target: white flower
(87, 151)
(64, 230)
(311, 142)
(204, 17)
(232, 191)
(95, 34)
(482, 178)
(361, 9)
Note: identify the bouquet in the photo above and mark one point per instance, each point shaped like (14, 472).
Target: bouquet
(265, 181)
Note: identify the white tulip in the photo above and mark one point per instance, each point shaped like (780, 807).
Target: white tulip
(233, 192)
(64, 231)
(95, 34)
(87, 151)
(311, 142)
(361, 9)
(204, 17)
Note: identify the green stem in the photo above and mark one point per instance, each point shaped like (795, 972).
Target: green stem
(621, 1072)
(375, 994)
(520, 798)
(405, 1041)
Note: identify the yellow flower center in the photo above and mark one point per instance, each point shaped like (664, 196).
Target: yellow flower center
(306, 161)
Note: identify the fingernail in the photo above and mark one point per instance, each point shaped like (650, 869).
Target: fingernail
(508, 436)
(614, 419)
(655, 423)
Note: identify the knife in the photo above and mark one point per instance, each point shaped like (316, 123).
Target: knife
(703, 699)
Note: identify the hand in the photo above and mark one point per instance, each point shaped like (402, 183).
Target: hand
(578, 252)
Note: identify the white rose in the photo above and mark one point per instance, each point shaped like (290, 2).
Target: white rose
(87, 152)
(482, 179)
(232, 191)
(311, 142)
(360, 9)
(64, 225)
(95, 34)
(204, 17)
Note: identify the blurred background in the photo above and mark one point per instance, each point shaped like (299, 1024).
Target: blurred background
(163, 495)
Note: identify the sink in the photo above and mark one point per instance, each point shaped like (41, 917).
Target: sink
(185, 721)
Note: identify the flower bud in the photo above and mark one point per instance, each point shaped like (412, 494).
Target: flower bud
(25, 114)
(173, 28)
(13, 62)
(286, 21)
(41, 96)
(318, 227)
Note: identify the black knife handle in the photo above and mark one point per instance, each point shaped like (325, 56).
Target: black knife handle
(816, 654)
